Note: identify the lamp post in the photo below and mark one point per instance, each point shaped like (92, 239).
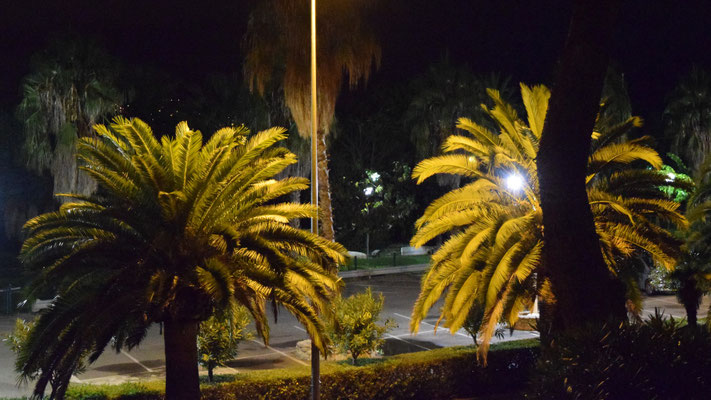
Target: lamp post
(315, 361)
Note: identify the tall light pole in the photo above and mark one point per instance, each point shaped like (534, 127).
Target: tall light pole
(315, 361)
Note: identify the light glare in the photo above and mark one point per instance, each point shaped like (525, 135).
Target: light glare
(514, 182)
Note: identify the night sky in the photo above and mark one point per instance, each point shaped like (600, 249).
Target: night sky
(656, 41)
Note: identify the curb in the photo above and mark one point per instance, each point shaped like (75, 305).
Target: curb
(367, 273)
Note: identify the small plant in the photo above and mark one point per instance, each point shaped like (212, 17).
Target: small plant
(70, 364)
(218, 339)
(354, 327)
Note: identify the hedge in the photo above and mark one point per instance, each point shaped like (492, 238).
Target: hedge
(436, 374)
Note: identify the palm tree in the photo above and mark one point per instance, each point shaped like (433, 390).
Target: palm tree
(277, 40)
(693, 273)
(491, 263)
(72, 86)
(687, 117)
(178, 231)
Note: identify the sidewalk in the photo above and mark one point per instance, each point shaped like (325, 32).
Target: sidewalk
(367, 273)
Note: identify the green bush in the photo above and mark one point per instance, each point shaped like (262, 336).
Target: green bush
(657, 359)
(353, 325)
(436, 374)
(218, 339)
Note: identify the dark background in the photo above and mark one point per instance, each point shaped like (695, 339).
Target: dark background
(656, 41)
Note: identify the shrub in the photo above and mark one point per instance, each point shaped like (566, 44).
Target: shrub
(354, 327)
(218, 339)
(435, 374)
(656, 359)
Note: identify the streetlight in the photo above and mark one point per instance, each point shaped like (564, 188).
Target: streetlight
(315, 361)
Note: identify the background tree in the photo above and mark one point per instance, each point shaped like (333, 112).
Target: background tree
(72, 86)
(687, 117)
(276, 41)
(491, 267)
(693, 274)
(441, 96)
(180, 231)
(369, 137)
(354, 324)
(218, 339)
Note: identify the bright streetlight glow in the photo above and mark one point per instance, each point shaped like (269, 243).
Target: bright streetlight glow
(514, 182)
(368, 191)
(671, 177)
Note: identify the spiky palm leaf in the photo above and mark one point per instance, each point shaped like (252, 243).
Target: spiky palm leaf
(179, 231)
(489, 263)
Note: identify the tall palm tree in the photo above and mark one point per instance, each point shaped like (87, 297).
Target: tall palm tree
(277, 40)
(687, 117)
(491, 263)
(72, 86)
(178, 231)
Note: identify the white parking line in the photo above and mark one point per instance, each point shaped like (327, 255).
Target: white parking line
(410, 343)
(410, 334)
(280, 352)
(300, 328)
(425, 323)
(252, 356)
(136, 361)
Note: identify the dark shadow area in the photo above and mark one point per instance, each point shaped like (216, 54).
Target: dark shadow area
(406, 345)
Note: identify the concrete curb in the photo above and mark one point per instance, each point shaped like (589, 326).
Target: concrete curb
(367, 273)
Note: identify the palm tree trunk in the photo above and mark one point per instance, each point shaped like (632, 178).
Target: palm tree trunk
(690, 296)
(583, 287)
(324, 188)
(181, 361)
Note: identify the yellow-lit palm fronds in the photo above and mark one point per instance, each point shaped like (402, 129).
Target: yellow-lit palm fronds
(489, 262)
(180, 230)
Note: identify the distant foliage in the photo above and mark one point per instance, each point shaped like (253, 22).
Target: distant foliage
(219, 338)
(354, 325)
(687, 117)
(658, 359)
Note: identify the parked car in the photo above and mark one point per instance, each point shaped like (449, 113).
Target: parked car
(38, 305)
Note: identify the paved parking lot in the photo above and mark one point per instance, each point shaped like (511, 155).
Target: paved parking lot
(400, 291)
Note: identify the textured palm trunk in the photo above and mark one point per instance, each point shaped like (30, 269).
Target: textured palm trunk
(324, 189)
(584, 289)
(690, 297)
(181, 361)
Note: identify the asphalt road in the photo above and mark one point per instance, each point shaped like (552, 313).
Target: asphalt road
(400, 291)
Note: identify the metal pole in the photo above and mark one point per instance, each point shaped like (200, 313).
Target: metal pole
(315, 361)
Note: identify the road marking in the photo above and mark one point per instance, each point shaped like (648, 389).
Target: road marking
(280, 352)
(300, 328)
(252, 356)
(136, 361)
(434, 326)
(403, 340)
(410, 334)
